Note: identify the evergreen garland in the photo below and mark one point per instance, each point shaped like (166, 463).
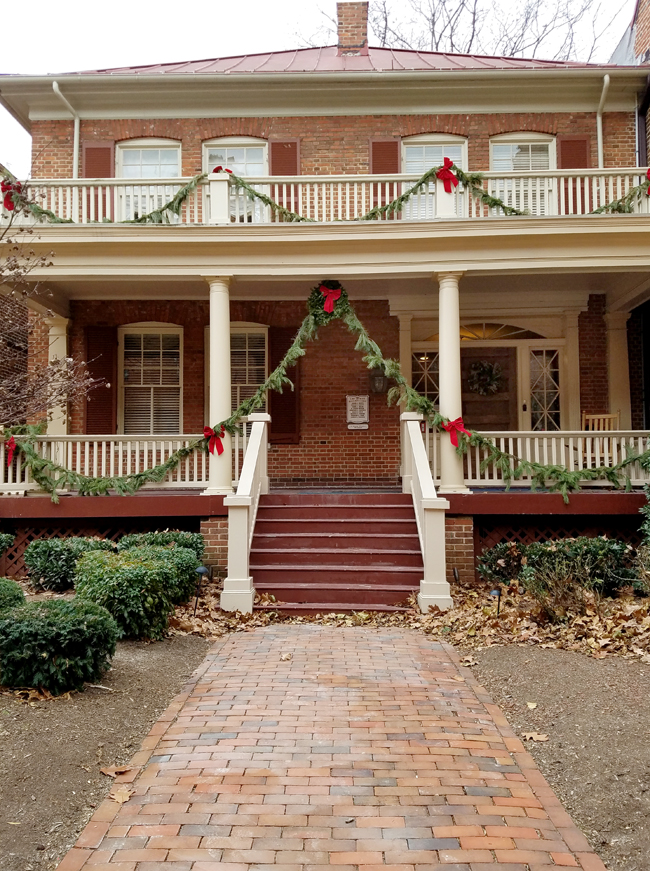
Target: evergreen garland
(52, 477)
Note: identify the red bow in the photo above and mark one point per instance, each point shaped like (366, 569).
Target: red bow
(11, 447)
(446, 176)
(214, 439)
(9, 188)
(331, 295)
(222, 169)
(453, 428)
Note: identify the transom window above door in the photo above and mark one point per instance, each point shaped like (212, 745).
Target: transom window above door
(245, 157)
(148, 159)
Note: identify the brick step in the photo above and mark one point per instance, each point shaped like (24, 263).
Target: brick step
(336, 540)
(314, 608)
(335, 574)
(336, 512)
(305, 525)
(363, 595)
(321, 499)
(346, 556)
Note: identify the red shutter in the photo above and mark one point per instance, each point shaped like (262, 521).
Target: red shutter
(98, 162)
(284, 408)
(384, 160)
(284, 157)
(573, 153)
(98, 159)
(101, 403)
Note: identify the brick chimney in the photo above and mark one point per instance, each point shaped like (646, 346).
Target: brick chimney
(353, 27)
(641, 31)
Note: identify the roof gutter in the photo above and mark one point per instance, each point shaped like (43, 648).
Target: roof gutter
(75, 146)
(599, 122)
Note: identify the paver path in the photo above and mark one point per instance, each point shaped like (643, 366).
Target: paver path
(364, 749)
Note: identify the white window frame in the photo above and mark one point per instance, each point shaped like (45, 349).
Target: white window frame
(235, 327)
(236, 142)
(143, 144)
(435, 139)
(525, 137)
(150, 327)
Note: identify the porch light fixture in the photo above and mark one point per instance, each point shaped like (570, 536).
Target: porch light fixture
(378, 381)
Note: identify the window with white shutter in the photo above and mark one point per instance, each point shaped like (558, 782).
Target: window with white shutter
(530, 153)
(248, 363)
(422, 153)
(151, 365)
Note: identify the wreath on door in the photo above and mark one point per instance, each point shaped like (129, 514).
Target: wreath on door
(484, 378)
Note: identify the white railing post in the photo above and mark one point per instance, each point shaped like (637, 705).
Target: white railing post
(238, 591)
(219, 198)
(445, 203)
(407, 453)
(430, 517)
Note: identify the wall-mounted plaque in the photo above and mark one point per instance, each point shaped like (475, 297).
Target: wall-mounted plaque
(357, 411)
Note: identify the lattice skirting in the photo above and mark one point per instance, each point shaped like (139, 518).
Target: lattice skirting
(526, 529)
(12, 564)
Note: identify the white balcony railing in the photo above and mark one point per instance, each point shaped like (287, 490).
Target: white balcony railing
(117, 455)
(576, 450)
(335, 198)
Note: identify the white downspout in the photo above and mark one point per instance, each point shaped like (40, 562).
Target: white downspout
(599, 122)
(75, 145)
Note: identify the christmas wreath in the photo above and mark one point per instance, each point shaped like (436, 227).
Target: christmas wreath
(484, 378)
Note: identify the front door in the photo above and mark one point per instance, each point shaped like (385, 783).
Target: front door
(489, 385)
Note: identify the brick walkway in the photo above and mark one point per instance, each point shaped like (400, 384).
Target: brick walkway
(366, 749)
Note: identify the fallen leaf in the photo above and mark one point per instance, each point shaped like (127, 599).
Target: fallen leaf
(114, 770)
(285, 657)
(531, 705)
(458, 678)
(121, 794)
(469, 660)
(534, 736)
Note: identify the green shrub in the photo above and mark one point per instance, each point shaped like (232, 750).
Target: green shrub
(51, 562)
(184, 562)
(11, 594)
(135, 588)
(502, 563)
(193, 540)
(6, 540)
(56, 645)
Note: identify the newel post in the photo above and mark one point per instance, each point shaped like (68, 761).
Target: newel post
(219, 198)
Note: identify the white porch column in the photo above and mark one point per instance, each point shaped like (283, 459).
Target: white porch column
(57, 350)
(452, 479)
(618, 371)
(405, 347)
(220, 471)
(572, 415)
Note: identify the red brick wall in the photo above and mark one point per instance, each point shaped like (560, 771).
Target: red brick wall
(13, 340)
(459, 535)
(642, 24)
(215, 532)
(192, 316)
(330, 145)
(592, 331)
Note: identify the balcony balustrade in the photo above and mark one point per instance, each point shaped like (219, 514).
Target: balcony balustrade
(332, 198)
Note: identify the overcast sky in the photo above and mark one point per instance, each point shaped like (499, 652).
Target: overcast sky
(54, 36)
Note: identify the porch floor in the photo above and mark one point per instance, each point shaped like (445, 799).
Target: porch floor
(267, 762)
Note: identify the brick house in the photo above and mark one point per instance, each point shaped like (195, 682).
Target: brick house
(183, 321)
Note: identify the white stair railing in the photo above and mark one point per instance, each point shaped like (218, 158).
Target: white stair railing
(238, 591)
(429, 514)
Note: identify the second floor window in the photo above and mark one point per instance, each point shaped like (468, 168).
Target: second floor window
(245, 158)
(523, 153)
(150, 161)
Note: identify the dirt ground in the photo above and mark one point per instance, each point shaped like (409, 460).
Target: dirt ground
(597, 757)
(51, 752)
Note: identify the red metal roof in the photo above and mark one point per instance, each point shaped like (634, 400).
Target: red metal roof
(328, 60)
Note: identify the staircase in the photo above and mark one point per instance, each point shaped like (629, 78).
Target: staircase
(336, 551)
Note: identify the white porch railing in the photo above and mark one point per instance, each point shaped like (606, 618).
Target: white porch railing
(117, 455)
(576, 450)
(334, 197)
(429, 513)
(238, 589)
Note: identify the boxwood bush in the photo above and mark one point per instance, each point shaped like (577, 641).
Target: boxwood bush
(135, 587)
(6, 540)
(56, 645)
(51, 562)
(193, 540)
(184, 562)
(11, 594)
